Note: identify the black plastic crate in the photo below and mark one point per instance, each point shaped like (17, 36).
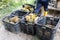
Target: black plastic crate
(23, 27)
(52, 21)
(28, 28)
(45, 32)
(31, 29)
(19, 13)
(15, 28)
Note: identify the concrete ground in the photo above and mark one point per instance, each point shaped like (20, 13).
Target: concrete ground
(6, 35)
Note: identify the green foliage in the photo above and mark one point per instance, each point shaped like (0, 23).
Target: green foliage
(0, 0)
(7, 6)
(15, 2)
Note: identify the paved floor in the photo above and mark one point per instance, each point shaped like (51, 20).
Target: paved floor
(6, 35)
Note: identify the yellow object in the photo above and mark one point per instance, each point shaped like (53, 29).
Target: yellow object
(14, 19)
(31, 9)
(27, 18)
(24, 9)
(31, 14)
(45, 13)
(35, 15)
(27, 6)
(31, 17)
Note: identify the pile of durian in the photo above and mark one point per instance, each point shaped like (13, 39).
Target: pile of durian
(13, 20)
(27, 8)
(31, 17)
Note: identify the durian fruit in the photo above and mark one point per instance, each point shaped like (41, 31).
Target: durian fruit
(35, 15)
(27, 18)
(31, 14)
(27, 6)
(31, 17)
(14, 19)
(24, 9)
(31, 9)
(31, 20)
(17, 20)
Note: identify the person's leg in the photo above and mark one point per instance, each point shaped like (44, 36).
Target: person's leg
(45, 4)
(38, 8)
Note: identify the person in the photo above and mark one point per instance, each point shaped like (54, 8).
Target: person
(41, 3)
